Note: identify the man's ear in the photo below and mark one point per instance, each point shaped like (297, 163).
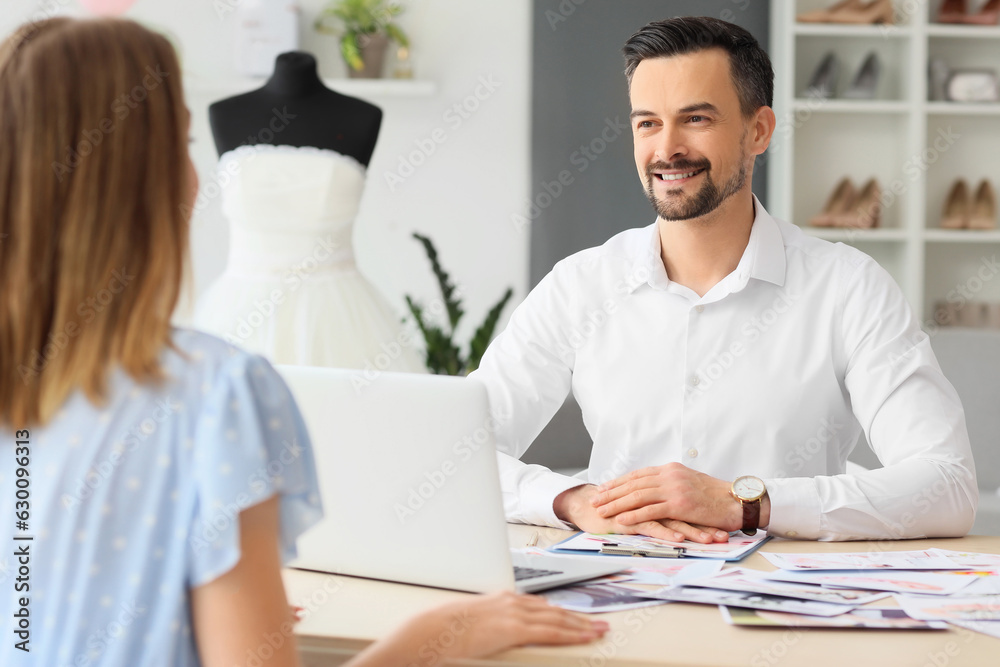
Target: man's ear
(761, 130)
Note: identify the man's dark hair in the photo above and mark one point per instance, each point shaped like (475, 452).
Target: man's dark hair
(749, 66)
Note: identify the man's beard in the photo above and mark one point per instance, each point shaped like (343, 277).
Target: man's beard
(705, 200)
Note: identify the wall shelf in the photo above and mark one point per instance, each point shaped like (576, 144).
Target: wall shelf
(851, 106)
(846, 30)
(851, 235)
(962, 236)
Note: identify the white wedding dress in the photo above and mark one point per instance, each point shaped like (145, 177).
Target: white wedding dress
(291, 290)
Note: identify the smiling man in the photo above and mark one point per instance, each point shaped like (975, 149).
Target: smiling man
(726, 363)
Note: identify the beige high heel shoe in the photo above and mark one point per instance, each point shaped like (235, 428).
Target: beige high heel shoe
(983, 214)
(837, 204)
(866, 210)
(956, 207)
(825, 15)
(876, 11)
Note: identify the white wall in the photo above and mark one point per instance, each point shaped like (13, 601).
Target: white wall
(462, 196)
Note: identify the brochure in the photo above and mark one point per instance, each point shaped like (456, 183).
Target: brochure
(983, 608)
(597, 598)
(867, 617)
(895, 581)
(874, 560)
(752, 581)
(745, 599)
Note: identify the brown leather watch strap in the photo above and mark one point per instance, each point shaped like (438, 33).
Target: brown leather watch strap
(751, 516)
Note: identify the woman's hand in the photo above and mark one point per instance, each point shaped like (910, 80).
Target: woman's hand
(478, 627)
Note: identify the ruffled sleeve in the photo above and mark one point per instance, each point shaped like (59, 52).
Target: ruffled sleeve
(250, 444)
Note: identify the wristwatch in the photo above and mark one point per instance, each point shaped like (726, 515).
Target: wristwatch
(749, 490)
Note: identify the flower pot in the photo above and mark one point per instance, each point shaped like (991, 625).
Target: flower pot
(372, 47)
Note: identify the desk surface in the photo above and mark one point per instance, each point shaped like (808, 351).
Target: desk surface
(344, 614)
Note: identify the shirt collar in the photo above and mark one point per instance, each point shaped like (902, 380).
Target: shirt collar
(763, 258)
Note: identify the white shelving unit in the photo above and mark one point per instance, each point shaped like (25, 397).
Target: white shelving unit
(915, 148)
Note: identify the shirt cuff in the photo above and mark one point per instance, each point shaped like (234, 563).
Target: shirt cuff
(538, 489)
(795, 510)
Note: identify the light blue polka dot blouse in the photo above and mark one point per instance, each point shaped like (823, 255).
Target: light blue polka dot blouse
(136, 502)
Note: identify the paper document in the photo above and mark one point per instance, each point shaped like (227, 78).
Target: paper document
(866, 617)
(969, 559)
(745, 599)
(951, 609)
(874, 560)
(896, 581)
(597, 598)
(753, 581)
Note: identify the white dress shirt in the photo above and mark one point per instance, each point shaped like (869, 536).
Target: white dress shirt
(775, 372)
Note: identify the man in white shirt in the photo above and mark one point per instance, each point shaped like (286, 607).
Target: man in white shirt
(719, 343)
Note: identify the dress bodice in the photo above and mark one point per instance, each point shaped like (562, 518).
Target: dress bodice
(287, 204)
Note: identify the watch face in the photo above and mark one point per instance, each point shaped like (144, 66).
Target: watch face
(748, 487)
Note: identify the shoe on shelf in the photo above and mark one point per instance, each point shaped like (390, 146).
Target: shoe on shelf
(952, 11)
(824, 80)
(983, 212)
(837, 204)
(988, 14)
(865, 211)
(937, 80)
(865, 82)
(824, 15)
(875, 11)
(956, 206)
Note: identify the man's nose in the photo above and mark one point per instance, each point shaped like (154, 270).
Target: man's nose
(671, 144)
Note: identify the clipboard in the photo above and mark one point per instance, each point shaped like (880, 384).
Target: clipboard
(688, 551)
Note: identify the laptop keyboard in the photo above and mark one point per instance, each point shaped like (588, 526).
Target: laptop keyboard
(522, 573)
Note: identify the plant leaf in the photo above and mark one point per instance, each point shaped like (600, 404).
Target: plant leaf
(349, 49)
(452, 304)
(484, 334)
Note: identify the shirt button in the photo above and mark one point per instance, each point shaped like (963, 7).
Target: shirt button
(695, 380)
(792, 533)
(692, 453)
(700, 309)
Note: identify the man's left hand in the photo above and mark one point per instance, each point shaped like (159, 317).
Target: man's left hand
(673, 491)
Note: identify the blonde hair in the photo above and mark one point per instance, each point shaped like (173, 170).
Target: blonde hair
(93, 238)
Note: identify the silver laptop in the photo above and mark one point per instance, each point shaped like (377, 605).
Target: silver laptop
(411, 492)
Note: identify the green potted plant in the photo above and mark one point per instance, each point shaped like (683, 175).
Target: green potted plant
(443, 355)
(365, 28)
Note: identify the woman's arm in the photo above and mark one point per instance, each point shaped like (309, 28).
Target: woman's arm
(245, 611)
(477, 627)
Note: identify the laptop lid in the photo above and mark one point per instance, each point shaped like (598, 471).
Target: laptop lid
(408, 475)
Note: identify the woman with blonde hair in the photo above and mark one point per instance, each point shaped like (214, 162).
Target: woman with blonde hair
(136, 456)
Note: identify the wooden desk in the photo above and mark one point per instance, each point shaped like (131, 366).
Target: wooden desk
(344, 614)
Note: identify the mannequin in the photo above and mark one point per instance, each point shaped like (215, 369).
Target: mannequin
(320, 117)
(296, 156)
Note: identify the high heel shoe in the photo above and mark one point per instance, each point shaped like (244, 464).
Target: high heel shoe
(866, 210)
(937, 80)
(956, 207)
(824, 80)
(952, 11)
(838, 204)
(866, 80)
(824, 15)
(876, 11)
(988, 14)
(983, 214)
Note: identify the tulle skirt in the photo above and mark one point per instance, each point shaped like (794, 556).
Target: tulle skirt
(330, 318)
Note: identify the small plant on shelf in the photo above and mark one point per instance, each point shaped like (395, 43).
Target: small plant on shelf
(365, 28)
(443, 354)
